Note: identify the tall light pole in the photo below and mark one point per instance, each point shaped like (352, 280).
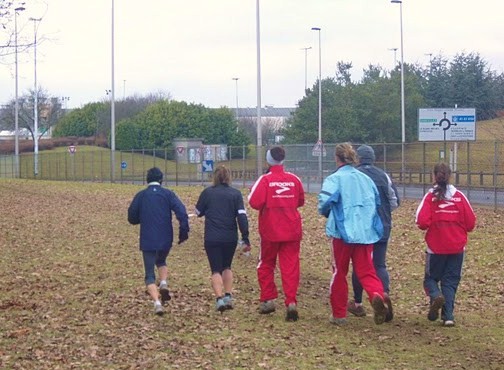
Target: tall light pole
(306, 67)
(395, 55)
(124, 89)
(112, 108)
(236, 81)
(16, 103)
(320, 105)
(403, 113)
(259, 122)
(65, 100)
(35, 103)
(430, 57)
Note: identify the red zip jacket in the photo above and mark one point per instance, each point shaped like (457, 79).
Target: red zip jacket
(447, 221)
(277, 195)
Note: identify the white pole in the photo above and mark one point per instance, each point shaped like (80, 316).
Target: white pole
(259, 122)
(35, 104)
(236, 81)
(306, 67)
(112, 109)
(16, 103)
(403, 113)
(455, 149)
(395, 56)
(320, 106)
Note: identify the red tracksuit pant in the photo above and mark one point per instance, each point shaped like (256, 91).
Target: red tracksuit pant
(362, 262)
(288, 260)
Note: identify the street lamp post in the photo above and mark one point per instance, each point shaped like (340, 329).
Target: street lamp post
(35, 103)
(395, 56)
(403, 114)
(236, 81)
(259, 121)
(16, 103)
(320, 106)
(65, 100)
(430, 58)
(306, 67)
(112, 107)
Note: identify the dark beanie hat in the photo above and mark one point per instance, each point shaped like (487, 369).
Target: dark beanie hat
(154, 175)
(366, 154)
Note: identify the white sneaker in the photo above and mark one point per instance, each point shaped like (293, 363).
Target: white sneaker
(449, 323)
(158, 309)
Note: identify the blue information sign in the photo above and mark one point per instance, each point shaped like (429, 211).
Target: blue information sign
(207, 166)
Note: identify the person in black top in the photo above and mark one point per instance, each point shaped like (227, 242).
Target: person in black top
(152, 208)
(222, 206)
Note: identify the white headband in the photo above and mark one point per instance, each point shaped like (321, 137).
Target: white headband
(271, 161)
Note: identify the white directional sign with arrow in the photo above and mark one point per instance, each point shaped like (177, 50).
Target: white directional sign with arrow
(207, 166)
(447, 124)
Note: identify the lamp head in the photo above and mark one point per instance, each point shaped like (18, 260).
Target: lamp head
(396, 1)
(315, 28)
(20, 9)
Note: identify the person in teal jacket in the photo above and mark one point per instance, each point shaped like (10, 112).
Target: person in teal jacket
(349, 199)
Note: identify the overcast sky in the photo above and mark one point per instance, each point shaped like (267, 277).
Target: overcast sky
(192, 49)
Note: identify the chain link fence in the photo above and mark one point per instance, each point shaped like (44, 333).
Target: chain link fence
(478, 167)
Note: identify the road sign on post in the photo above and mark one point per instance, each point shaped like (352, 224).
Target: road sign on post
(72, 149)
(319, 149)
(446, 124)
(207, 166)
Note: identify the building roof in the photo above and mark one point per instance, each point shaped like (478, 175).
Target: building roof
(267, 111)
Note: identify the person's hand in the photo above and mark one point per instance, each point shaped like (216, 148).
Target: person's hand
(246, 245)
(182, 236)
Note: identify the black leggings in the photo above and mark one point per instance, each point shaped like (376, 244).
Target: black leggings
(220, 255)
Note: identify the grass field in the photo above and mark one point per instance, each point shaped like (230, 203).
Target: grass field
(72, 295)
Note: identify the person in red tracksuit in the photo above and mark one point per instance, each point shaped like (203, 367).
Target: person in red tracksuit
(447, 216)
(278, 195)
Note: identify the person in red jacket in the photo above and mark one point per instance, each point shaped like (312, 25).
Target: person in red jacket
(447, 216)
(278, 195)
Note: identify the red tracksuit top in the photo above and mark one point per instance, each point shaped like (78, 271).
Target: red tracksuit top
(277, 195)
(447, 221)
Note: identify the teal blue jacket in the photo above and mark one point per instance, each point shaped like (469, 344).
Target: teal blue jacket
(349, 199)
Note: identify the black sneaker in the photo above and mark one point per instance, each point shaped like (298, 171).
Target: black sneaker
(436, 304)
(165, 293)
(390, 313)
(292, 313)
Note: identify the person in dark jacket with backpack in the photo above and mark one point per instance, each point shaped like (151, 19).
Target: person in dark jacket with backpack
(389, 200)
(152, 208)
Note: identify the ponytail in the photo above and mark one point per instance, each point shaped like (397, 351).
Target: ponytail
(442, 173)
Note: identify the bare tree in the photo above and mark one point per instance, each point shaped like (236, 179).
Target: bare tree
(49, 112)
(270, 128)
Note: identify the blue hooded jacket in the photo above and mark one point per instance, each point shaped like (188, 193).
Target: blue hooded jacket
(349, 199)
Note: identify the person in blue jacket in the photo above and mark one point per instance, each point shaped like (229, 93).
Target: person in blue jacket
(389, 199)
(349, 200)
(152, 208)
